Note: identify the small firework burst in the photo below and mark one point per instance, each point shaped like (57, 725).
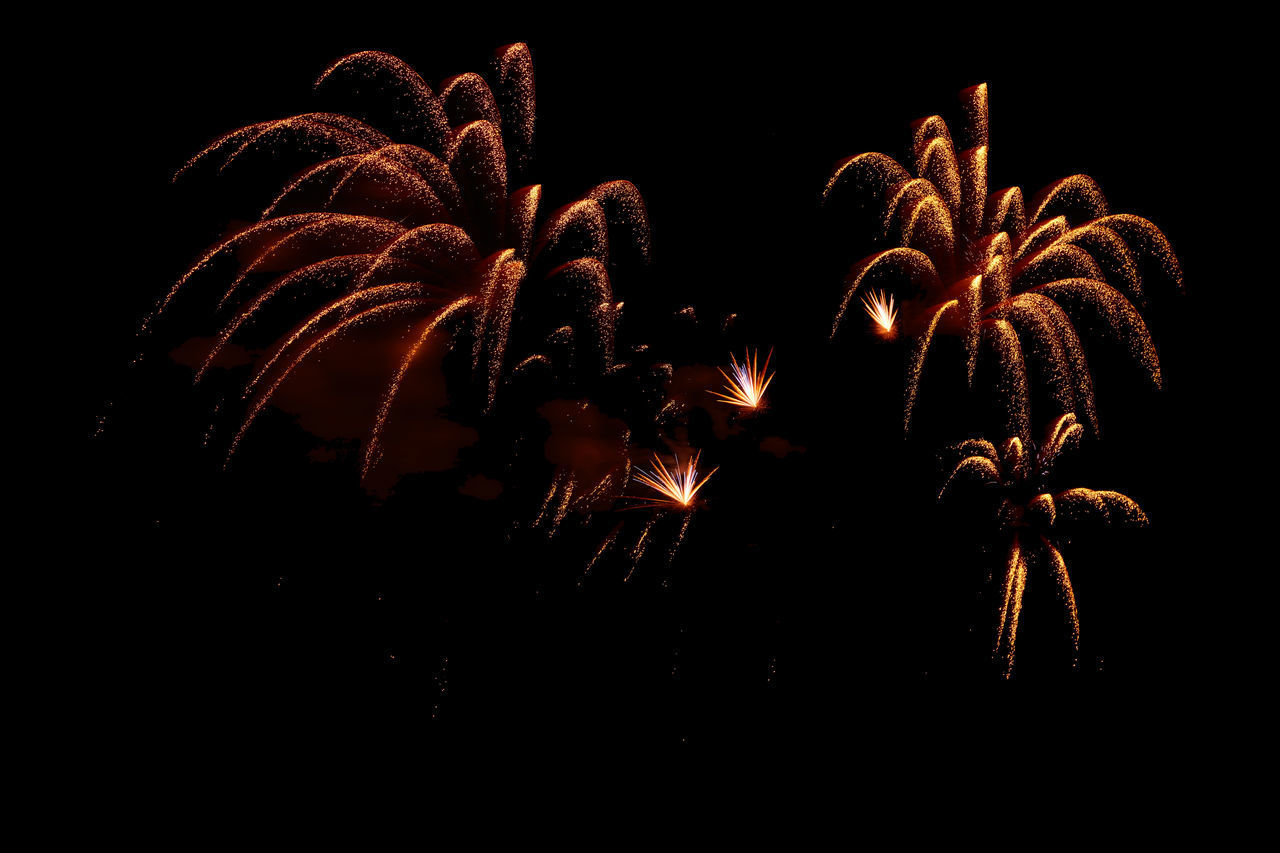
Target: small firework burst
(1036, 520)
(880, 308)
(747, 384)
(676, 487)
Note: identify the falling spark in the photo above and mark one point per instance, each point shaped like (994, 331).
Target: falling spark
(679, 538)
(677, 487)
(880, 308)
(746, 386)
(642, 544)
(604, 546)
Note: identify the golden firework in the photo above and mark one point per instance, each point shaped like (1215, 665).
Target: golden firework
(746, 383)
(1005, 274)
(1032, 518)
(424, 229)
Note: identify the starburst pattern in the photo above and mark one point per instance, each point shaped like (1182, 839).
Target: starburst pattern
(1033, 519)
(746, 383)
(1008, 276)
(676, 487)
(880, 308)
(423, 229)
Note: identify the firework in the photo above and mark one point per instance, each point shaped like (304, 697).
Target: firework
(1005, 274)
(1032, 519)
(675, 487)
(746, 383)
(879, 307)
(422, 229)
(574, 490)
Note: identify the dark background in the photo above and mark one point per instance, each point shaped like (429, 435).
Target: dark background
(814, 591)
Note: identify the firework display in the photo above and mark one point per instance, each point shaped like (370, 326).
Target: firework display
(415, 218)
(1012, 278)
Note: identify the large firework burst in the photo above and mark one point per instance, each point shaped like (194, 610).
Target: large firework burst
(1033, 519)
(1006, 274)
(422, 228)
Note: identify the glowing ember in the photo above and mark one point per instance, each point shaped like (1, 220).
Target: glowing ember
(677, 487)
(880, 307)
(747, 385)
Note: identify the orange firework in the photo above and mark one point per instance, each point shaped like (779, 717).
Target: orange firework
(1034, 519)
(424, 230)
(1000, 272)
(746, 386)
(676, 487)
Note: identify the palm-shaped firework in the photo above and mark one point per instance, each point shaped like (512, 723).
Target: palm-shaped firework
(1033, 518)
(425, 229)
(999, 271)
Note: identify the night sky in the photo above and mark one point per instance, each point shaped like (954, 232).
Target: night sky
(821, 583)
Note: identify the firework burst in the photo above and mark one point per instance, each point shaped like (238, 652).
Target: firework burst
(676, 487)
(1007, 275)
(1033, 520)
(879, 307)
(746, 383)
(422, 230)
